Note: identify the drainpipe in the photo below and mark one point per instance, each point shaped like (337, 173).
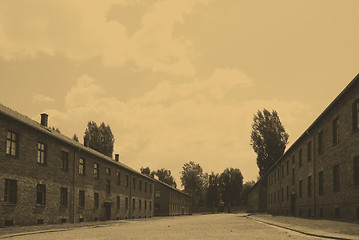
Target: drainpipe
(72, 210)
(130, 196)
(314, 177)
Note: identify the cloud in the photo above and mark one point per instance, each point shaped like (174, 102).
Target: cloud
(43, 98)
(81, 30)
(176, 123)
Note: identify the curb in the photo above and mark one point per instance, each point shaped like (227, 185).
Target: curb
(19, 234)
(299, 231)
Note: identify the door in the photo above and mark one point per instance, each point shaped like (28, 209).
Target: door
(107, 211)
(292, 204)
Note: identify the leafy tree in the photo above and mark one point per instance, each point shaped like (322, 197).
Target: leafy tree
(164, 175)
(231, 181)
(100, 138)
(213, 193)
(147, 172)
(75, 138)
(193, 181)
(268, 139)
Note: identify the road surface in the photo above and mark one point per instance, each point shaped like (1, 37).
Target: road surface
(213, 226)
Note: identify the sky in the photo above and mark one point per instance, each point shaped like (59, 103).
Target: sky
(177, 81)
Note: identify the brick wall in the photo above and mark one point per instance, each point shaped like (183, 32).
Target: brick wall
(25, 169)
(345, 200)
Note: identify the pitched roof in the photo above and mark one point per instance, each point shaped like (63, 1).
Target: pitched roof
(327, 109)
(35, 125)
(169, 186)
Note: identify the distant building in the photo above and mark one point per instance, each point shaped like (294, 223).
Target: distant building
(171, 201)
(256, 198)
(318, 176)
(46, 177)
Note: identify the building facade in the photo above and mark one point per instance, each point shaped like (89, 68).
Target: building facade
(170, 201)
(318, 176)
(257, 198)
(46, 177)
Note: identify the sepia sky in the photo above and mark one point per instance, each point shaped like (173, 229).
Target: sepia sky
(177, 80)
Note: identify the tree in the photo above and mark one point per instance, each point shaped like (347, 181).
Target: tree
(100, 138)
(231, 181)
(164, 175)
(213, 193)
(147, 171)
(75, 138)
(193, 181)
(268, 139)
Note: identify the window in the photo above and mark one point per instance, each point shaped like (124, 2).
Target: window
(300, 189)
(321, 183)
(356, 115)
(108, 187)
(10, 194)
(41, 194)
(65, 160)
(278, 173)
(320, 142)
(126, 182)
(150, 205)
(118, 176)
(108, 171)
(139, 204)
(282, 171)
(126, 203)
(282, 195)
(293, 176)
(300, 158)
(118, 203)
(145, 204)
(309, 148)
(41, 153)
(150, 188)
(337, 212)
(81, 166)
(140, 185)
(158, 193)
(356, 170)
(145, 186)
(309, 186)
(95, 200)
(96, 171)
(287, 193)
(82, 199)
(278, 196)
(11, 143)
(133, 204)
(287, 167)
(293, 159)
(134, 183)
(336, 181)
(335, 130)
(63, 197)
(275, 195)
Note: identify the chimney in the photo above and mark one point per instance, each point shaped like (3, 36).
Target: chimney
(86, 141)
(117, 157)
(44, 118)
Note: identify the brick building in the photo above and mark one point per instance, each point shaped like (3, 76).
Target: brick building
(318, 176)
(256, 198)
(46, 177)
(171, 201)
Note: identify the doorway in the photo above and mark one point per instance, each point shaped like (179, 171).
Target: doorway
(292, 204)
(107, 211)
